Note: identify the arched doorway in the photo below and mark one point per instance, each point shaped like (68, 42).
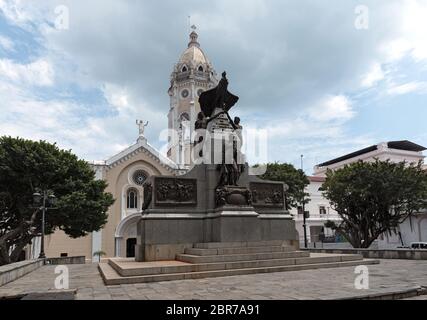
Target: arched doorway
(126, 235)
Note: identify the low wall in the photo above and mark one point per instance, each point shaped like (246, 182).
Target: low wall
(379, 254)
(66, 260)
(13, 271)
(337, 245)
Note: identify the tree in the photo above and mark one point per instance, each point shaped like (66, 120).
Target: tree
(99, 254)
(28, 166)
(295, 179)
(373, 198)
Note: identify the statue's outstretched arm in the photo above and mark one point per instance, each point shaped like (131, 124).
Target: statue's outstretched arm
(231, 121)
(215, 116)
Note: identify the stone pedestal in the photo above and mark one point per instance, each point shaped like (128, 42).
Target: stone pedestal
(162, 237)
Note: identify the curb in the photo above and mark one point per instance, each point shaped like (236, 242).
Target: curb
(392, 295)
(43, 295)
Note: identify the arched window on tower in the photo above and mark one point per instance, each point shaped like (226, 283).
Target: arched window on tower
(201, 69)
(184, 69)
(132, 199)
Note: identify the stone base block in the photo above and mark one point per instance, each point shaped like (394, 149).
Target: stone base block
(164, 238)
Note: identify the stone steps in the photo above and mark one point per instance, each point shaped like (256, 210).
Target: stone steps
(237, 250)
(225, 259)
(241, 257)
(134, 270)
(111, 277)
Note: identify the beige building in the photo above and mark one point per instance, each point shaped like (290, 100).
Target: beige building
(127, 171)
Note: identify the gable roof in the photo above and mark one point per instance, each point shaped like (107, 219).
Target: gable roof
(399, 145)
(143, 146)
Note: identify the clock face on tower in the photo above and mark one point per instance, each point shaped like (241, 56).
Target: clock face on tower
(185, 93)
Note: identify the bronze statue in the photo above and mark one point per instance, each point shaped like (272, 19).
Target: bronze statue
(218, 97)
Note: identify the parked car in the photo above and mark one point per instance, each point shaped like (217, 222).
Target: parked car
(419, 245)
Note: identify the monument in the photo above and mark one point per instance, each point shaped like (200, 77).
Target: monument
(217, 200)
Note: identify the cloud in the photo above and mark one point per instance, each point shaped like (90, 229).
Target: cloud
(410, 87)
(408, 36)
(295, 66)
(37, 73)
(332, 108)
(6, 43)
(373, 76)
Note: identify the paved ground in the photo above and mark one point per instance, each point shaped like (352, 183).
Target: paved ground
(390, 275)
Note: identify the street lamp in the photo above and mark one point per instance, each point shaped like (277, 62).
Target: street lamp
(47, 201)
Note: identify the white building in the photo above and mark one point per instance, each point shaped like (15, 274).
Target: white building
(320, 211)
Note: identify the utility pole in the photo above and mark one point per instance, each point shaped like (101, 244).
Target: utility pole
(304, 224)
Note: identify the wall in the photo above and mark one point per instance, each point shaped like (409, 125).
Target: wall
(59, 242)
(413, 229)
(379, 254)
(11, 272)
(118, 178)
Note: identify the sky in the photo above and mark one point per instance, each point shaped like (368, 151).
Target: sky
(324, 78)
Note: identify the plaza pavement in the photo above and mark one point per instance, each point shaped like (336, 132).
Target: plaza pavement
(388, 276)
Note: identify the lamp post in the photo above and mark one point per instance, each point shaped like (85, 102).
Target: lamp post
(285, 190)
(45, 199)
(304, 224)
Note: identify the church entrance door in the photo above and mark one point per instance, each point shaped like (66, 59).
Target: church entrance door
(130, 247)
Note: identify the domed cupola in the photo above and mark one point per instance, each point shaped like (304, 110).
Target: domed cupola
(193, 58)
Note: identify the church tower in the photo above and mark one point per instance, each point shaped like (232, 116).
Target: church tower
(192, 75)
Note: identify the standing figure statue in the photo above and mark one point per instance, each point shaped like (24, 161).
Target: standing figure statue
(218, 97)
(230, 172)
(220, 100)
(141, 126)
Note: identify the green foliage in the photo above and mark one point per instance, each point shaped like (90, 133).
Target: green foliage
(27, 166)
(374, 197)
(99, 254)
(295, 179)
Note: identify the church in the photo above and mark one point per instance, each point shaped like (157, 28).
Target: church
(127, 171)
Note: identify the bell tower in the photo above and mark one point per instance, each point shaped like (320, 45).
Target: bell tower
(192, 75)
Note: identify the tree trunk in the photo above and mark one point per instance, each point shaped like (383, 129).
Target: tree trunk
(4, 254)
(16, 252)
(21, 230)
